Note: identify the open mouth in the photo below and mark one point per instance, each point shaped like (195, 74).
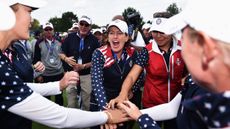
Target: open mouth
(115, 44)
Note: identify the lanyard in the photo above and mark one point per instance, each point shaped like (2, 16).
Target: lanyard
(25, 44)
(49, 47)
(81, 47)
(122, 61)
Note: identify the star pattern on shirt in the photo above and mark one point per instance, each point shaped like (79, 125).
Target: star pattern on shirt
(146, 122)
(142, 58)
(97, 79)
(214, 109)
(12, 88)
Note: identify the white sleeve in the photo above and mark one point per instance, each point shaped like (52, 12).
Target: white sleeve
(39, 109)
(45, 89)
(164, 111)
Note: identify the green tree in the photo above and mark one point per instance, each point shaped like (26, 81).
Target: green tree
(65, 22)
(173, 9)
(35, 25)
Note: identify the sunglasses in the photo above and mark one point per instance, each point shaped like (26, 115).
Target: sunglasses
(84, 24)
(48, 29)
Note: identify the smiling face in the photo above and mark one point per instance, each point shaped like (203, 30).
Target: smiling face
(84, 28)
(117, 39)
(162, 39)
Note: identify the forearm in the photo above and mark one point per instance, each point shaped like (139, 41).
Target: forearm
(131, 79)
(43, 111)
(62, 56)
(126, 86)
(158, 113)
(46, 89)
(87, 65)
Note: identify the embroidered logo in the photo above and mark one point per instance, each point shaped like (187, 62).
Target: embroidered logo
(178, 61)
(158, 21)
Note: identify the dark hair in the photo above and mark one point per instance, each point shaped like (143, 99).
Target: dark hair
(162, 15)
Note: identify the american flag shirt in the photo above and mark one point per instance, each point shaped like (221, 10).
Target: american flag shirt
(12, 88)
(108, 74)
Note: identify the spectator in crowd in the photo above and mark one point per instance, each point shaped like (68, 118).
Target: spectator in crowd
(145, 33)
(47, 51)
(164, 66)
(77, 53)
(19, 99)
(205, 43)
(74, 28)
(111, 63)
(98, 33)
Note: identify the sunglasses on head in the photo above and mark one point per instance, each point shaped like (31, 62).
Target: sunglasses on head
(48, 29)
(84, 24)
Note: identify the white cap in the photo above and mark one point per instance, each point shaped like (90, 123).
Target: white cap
(212, 19)
(34, 4)
(97, 30)
(7, 17)
(158, 24)
(48, 24)
(86, 19)
(146, 26)
(74, 25)
(121, 25)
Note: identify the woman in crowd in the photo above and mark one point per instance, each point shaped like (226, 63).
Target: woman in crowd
(16, 97)
(205, 50)
(164, 66)
(111, 63)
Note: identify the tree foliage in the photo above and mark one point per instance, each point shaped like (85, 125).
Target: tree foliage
(35, 25)
(65, 22)
(173, 9)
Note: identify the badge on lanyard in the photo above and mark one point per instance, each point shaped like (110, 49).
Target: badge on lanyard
(51, 60)
(79, 61)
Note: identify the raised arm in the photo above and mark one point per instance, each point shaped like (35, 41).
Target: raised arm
(131, 78)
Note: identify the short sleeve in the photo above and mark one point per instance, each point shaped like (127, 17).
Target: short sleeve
(142, 58)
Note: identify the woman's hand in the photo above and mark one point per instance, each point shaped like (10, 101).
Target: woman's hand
(118, 99)
(131, 109)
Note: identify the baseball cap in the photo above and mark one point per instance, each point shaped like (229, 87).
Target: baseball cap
(146, 26)
(86, 19)
(97, 30)
(121, 25)
(158, 24)
(7, 17)
(211, 19)
(48, 24)
(75, 25)
(34, 4)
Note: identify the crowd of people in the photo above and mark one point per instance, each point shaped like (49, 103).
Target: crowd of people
(117, 74)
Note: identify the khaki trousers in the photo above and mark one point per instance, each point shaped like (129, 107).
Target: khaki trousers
(86, 88)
